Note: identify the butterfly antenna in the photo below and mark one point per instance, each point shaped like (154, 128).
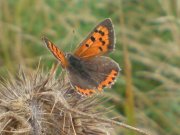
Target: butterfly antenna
(72, 41)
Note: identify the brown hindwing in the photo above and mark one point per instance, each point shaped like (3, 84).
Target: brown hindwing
(100, 72)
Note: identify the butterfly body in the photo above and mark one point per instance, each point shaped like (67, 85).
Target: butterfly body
(77, 67)
(76, 64)
(88, 70)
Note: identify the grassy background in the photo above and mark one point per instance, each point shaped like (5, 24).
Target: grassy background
(147, 94)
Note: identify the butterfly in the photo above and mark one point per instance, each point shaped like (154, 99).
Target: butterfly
(89, 69)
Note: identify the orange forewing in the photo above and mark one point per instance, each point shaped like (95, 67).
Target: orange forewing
(56, 52)
(99, 41)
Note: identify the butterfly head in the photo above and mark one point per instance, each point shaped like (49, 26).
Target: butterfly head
(68, 56)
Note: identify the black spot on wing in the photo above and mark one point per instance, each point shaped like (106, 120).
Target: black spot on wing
(109, 82)
(101, 32)
(115, 74)
(103, 42)
(103, 86)
(96, 31)
(93, 39)
(100, 48)
(87, 45)
(113, 78)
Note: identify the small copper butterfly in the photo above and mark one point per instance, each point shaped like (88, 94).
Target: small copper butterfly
(88, 69)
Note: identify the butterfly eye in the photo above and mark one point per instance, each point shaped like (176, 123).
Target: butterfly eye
(67, 55)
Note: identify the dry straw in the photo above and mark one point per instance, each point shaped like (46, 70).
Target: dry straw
(41, 104)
